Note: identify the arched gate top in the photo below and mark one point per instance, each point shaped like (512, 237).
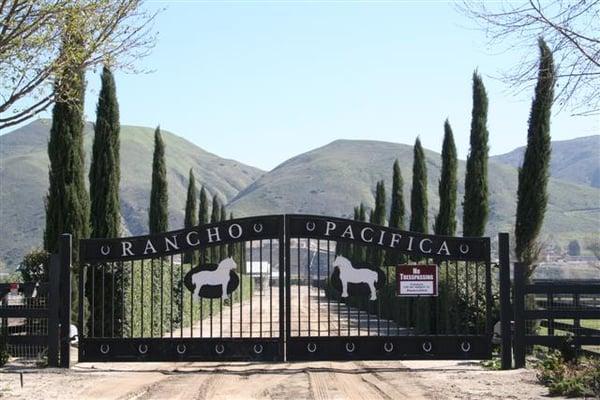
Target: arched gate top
(293, 226)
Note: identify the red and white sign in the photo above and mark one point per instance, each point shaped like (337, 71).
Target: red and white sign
(416, 280)
(14, 288)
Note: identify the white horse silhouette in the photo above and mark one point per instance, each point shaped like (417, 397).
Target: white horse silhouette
(349, 274)
(219, 276)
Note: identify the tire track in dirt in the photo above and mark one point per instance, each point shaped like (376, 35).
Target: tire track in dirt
(387, 389)
(350, 384)
(207, 389)
(318, 384)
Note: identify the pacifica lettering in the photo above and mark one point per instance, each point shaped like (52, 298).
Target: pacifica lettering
(384, 238)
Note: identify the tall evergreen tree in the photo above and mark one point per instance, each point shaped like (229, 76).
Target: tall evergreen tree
(358, 253)
(532, 195)
(418, 223)
(397, 210)
(203, 208)
(105, 173)
(445, 221)
(215, 215)
(418, 193)
(203, 219)
(223, 249)
(215, 253)
(105, 214)
(158, 217)
(397, 205)
(379, 219)
(190, 214)
(231, 248)
(67, 202)
(158, 221)
(475, 204)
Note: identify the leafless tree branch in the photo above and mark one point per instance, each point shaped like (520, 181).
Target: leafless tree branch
(572, 30)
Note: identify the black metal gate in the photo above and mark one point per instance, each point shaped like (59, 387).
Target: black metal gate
(143, 300)
(267, 288)
(323, 325)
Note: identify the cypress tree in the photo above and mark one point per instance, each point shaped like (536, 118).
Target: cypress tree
(158, 217)
(202, 220)
(475, 204)
(358, 251)
(105, 218)
(215, 215)
(105, 172)
(158, 221)
(215, 253)
(67, 202)
(397, 206)
(190, 214)
(231, 249)
(418, 223)
(223, 249)
(397, 210)
(378, 218)
(418, 194)
(532, 195)
(445, 221)
(203, 208)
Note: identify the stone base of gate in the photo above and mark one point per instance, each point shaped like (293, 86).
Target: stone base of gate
(475, 347)
(180, 349)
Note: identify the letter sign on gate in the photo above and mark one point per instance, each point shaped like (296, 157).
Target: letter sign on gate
(416, 280)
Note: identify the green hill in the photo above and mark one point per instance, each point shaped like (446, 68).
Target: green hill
(332, 179)
(576, 160)
(24, 181)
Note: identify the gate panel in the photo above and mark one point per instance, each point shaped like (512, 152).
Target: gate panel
(323, 325)
(212, 292)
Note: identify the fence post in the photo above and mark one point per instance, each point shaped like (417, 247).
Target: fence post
(519, 303)
(64, 252)
(505, 307)
(53, 304)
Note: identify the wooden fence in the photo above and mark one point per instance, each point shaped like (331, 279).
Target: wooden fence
(37, 314)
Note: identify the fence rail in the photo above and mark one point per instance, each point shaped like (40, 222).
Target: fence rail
(37, 315)
(582, 307)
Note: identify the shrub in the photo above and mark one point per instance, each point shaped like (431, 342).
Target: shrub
(34, 267)
(569, 378)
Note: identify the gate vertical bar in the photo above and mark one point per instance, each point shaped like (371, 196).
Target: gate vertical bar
(285, 259)
(80, 313)
(53, 305)
(64, 252)
(519, 304)
(505, 311)
(284, 287)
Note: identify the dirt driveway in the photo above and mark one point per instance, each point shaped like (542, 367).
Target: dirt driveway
(288, 381)
(320, 380)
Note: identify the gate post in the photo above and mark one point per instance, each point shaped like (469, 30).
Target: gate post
(64, 254)
(519, 302)
(53, 305)
(505, 307)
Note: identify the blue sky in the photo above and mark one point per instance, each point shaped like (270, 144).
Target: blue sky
(262, 81)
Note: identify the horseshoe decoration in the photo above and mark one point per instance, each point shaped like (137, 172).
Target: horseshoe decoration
(258, 228)
(105, 250)
(310, 226)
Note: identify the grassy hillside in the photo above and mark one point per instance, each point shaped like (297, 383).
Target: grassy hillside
(332, 179)
(575, 160)
(24, 181)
